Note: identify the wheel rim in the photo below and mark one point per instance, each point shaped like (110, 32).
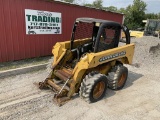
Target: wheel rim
(98, 90)
(122, 80)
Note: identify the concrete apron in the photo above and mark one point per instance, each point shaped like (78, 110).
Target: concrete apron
(22, 70)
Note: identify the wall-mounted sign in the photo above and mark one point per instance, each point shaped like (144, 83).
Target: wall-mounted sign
(42, 22)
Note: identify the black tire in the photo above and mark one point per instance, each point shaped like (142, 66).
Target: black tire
(93, 87)
(117, 77)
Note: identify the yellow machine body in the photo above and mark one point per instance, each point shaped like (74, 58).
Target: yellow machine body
(90, 61)
(74, 60)
(136, 34)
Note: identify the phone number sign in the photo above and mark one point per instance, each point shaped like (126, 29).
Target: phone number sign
(42, 22)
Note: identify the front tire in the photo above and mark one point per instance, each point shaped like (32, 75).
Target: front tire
(93, 87)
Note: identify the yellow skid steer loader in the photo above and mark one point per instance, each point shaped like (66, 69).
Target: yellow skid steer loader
(91, 64)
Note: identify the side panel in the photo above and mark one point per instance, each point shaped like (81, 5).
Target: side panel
(93, 60)
(113, 54)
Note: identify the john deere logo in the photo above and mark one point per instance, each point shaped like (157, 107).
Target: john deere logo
(112, 56)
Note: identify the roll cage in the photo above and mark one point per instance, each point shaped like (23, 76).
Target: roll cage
(98, 33)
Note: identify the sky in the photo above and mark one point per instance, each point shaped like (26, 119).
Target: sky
(153, 6)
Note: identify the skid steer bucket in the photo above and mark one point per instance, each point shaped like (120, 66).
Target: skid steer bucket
(61, 90)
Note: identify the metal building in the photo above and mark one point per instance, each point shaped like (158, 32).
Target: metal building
(16, 44)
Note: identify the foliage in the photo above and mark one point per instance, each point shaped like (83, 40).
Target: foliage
(134, 14)
(95, 4)
(111, 8)
(98, 4)
(70, 1)
(88, 5)
(152, 16)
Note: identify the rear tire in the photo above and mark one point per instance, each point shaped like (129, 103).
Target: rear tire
(117, 77)
(93, 87)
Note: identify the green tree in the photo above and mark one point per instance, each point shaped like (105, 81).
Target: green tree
(134, 14)
(88, 5)
(70, 1)
(98, 4)
(152, 16)
(122, 10)
(111, 8)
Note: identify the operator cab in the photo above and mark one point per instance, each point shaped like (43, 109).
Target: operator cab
(103, 34)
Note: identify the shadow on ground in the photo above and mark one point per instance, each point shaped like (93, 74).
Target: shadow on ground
(132, 77)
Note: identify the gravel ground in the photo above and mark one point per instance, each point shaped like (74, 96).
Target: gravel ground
(20, 99)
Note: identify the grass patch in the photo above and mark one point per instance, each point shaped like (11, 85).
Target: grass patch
(24, 63)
